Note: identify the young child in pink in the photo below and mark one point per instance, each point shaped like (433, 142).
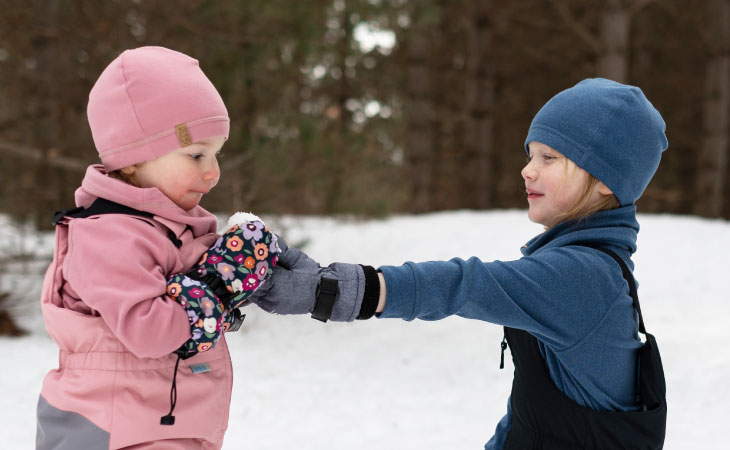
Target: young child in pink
(139, 332)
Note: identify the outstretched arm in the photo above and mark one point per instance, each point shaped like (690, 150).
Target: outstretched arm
(546, 296)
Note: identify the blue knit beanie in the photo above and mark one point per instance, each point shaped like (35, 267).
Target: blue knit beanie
(608, 129)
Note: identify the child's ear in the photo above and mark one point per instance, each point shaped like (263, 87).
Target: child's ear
(603, 189)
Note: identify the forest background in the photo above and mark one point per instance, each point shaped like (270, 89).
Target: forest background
(370, 107)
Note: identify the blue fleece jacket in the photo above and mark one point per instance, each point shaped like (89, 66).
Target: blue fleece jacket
(572, 298)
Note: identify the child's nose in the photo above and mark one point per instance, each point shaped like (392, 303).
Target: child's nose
(213, 172)
(528, 172)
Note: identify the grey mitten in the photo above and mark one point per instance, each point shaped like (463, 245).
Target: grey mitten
(340, 292)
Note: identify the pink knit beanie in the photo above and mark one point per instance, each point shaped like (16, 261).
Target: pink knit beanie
(150, 101)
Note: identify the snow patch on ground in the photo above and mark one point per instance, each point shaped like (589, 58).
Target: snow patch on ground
(390, 384)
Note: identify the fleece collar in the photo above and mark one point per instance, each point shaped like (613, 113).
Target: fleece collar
(615, 228)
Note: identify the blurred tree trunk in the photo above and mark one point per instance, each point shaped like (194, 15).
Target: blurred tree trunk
(339, 157)
(52, 100)
(480, 99)
(612, 43)
(614, 30)
(447, 60)
(713, 157)
(419, 138)
(46, 58)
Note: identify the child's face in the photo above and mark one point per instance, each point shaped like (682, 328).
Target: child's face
(183, 175)
(554, 184)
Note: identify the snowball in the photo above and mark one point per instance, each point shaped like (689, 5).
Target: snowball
(242, 217)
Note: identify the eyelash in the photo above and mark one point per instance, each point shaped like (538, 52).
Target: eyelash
(199, 156)
(545, 157)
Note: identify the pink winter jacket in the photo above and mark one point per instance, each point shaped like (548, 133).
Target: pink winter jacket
(104, 304)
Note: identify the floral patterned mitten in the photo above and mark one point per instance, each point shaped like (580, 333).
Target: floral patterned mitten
(243, 258)
(239, 262)
(206, 313)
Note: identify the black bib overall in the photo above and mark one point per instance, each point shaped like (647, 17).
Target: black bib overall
(544, 418)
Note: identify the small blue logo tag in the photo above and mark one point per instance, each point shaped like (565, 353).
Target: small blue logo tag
(200, 368)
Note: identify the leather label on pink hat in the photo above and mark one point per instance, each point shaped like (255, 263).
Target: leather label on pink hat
(183, 135)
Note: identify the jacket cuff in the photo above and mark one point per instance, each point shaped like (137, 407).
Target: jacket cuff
(402, 294)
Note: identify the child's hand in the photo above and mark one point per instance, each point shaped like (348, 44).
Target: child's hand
(206, 313)
(243, 258)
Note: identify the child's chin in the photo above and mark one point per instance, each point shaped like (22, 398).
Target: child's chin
(187, 206)
(532, 216)
(538, 220)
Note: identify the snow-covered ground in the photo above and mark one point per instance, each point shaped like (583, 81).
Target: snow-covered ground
(389, 384)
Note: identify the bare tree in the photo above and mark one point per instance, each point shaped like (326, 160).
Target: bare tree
(615, 23)
(480, 100)
(449, 120)
(713, 156)
(419, 140)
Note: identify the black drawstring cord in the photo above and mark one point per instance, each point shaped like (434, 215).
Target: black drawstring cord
(169, 419)
(504, 347)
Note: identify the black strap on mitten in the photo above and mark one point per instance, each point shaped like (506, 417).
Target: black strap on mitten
(215, 283)
(326, 296)
(218, 286)
(325, 299)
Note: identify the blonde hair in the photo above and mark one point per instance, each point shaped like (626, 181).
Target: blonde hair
(583, 207)
(121, 176)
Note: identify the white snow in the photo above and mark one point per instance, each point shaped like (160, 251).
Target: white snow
(389, 384)
(241, 217)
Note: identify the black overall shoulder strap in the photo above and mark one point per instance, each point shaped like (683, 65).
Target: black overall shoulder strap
(628, 276)
(104, 206)
(99, 206)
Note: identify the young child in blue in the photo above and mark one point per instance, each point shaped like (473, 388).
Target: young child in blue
(565, 305)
